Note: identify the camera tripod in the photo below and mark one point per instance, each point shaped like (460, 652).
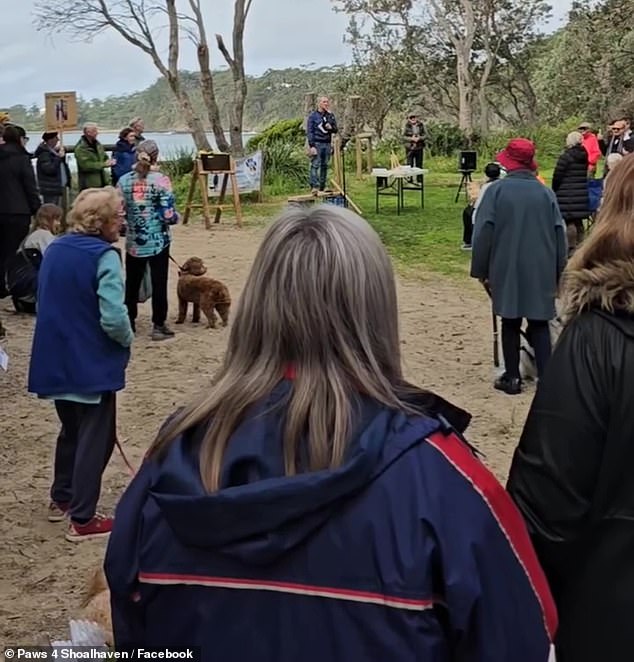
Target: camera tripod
(466, 178)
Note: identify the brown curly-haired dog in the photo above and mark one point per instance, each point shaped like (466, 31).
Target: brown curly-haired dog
(206, 294)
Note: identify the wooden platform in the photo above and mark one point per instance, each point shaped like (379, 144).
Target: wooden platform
(309, 197)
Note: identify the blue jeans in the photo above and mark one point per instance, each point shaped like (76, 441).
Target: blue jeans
(319, 166)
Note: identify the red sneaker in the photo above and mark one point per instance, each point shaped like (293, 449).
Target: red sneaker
(98, 527)
(57, 511)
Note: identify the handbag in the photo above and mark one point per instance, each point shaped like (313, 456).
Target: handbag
(145, 290)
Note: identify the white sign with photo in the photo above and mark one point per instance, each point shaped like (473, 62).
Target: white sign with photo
(249, 171)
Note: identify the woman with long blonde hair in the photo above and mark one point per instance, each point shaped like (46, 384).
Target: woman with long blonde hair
(80, 354)
(310, 504)
(572, 471)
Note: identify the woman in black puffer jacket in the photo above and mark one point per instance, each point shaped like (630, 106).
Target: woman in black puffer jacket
(570, 184)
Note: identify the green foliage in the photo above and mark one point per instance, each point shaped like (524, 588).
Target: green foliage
(289, 131)
(178, 162)
(285, 166)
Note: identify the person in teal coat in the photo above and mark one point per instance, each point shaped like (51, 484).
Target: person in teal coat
(519, 253)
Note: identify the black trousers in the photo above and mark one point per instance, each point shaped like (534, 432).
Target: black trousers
(415, 158)
(13, 230)
(135, 270)
(84, 447)
(538, 333)
(467, 225)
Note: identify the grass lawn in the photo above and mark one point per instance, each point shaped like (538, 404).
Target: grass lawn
(420, 240)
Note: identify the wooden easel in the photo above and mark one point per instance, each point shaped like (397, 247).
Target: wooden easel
(200, 178)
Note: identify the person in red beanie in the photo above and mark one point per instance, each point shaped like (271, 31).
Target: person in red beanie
(519, 252)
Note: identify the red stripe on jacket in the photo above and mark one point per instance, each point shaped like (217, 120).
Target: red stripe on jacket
(505, 513)
(331, 592)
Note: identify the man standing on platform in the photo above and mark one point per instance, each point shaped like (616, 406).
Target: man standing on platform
(320, 128)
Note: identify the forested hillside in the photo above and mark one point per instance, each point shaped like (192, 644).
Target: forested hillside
(273, 96)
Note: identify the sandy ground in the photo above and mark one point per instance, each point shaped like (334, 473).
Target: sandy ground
(446, 341)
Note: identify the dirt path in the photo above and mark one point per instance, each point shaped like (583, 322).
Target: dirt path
(446, 347)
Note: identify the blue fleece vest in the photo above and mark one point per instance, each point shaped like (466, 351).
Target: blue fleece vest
(71, 352)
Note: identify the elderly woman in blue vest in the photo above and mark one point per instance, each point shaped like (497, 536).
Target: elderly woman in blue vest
(310, 504)
(80, 353)
(150, 210)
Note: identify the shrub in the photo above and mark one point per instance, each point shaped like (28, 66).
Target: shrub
(284, 131)
(178, 162)
(285, 166)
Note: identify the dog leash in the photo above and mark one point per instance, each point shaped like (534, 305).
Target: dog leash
(131, 469)
(175, 262)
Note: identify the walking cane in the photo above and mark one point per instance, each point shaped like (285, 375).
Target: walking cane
(496, 334)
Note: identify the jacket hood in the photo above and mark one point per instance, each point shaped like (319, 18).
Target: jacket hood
(259, 513)
(607, 287)
(41, 148)
(124, 146)
(9, 151)
(578, 153)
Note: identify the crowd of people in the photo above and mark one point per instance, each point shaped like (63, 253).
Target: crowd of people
(148, 208)
(310, 495)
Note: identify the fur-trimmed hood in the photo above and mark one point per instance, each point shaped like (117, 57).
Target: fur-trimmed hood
(608, 287)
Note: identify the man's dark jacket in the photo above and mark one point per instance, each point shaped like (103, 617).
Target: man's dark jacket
(50, 166)
(18, 188)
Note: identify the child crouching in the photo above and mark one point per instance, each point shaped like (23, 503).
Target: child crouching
(24, 266)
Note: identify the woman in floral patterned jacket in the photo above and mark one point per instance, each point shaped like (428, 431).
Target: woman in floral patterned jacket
(150, 210)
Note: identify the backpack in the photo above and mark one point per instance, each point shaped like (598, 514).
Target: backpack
(22, 272)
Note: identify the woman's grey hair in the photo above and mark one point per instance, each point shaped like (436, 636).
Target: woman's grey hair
(320, 297)
(574, 138)
(92, 208)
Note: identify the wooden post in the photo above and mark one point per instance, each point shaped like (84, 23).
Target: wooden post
(204, 193)
(370, 156)
(359, 145)
(310, 103)
(350, 116)
(190, 194)
(236, 194)
(221, 199)
(199, 177)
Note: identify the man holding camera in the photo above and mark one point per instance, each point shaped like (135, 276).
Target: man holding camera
(320, 128)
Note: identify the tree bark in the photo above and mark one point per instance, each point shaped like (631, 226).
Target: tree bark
(236, 66)
(206, 78)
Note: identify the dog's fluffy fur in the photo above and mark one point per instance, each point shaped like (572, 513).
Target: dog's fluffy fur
(204, 293)
(96, 605)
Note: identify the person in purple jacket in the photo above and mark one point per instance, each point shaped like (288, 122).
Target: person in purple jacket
(313, 505)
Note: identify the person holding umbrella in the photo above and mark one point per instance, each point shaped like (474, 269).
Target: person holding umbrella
(519, 252)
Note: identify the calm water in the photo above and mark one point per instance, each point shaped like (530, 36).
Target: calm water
(169, 144)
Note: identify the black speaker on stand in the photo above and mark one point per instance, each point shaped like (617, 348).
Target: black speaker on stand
(467, 165)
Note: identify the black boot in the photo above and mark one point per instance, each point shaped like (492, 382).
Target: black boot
(509, 385)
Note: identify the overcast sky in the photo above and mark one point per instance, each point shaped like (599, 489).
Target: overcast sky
(280, 33)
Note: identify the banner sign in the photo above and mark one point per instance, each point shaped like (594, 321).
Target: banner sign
(61, 111)
(249, 171)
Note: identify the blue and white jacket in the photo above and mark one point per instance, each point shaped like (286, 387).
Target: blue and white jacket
(409, 551)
